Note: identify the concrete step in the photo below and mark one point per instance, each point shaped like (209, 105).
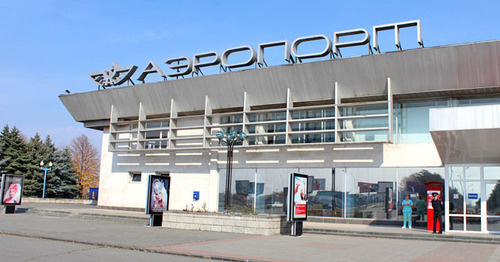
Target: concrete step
(448, 237)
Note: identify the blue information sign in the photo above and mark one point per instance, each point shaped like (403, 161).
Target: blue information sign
(473, 196)
(196, 195)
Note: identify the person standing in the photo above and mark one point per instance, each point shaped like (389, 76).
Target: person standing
(421, 207)
(407, 210)
(437, 204)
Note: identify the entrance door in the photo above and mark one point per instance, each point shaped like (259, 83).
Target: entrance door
(473, 198)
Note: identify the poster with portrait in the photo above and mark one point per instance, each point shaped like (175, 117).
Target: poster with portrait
(12, 189)
(298, 197)
(158, 192)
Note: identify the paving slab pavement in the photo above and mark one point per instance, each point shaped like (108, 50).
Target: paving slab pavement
(237, 247)
(343, 229)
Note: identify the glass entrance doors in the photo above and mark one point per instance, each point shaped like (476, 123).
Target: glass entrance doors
(473, 198)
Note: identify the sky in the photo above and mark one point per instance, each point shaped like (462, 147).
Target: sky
(47, 47)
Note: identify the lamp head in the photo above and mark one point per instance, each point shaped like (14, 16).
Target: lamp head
(242, 136)
(41, 163)
(220, 134)
(50, 164)
(234, 134)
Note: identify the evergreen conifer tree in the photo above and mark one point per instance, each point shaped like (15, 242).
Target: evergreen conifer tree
(14, 151)
(33, 180)
(50, 148)
(65, 180)
(2, 159)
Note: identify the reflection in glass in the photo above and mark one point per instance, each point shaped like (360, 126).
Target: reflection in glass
(413, 120)
(492, 172)
(242, 198)
(494, 224)
(222, 189)
(456, 173)
(493, 198)
(270, 197)
(363, 136)
(473, 198)
(153, 124)
(412, 182)
(473, 224)
(473, 172)
(370, 193)
(456, 197)
(456, 223)
(323, 201)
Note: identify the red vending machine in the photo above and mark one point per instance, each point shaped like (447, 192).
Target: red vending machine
(433, 187)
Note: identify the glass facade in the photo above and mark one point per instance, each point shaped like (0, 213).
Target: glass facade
(411, 118)
(374, 193)
(474, 198)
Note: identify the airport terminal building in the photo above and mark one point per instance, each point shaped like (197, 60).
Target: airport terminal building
(369, 129)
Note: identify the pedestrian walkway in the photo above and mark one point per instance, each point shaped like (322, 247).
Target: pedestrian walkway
(83, 211)
(325, 228)
(137, 237)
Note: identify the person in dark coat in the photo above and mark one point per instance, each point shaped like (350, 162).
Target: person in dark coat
(437, 204)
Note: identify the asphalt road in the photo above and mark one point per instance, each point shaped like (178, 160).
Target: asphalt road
(15, 248)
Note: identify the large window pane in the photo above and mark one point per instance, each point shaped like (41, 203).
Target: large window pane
(456, 197)
(456, 173)
(323, 200)
(367, 194)
(242, 199)
(473, 224)
(412, 120)
(492, 172)
(472, 172)
(494, 224)
(456, 223)
(269, 190)
(412, 182)
(479, 101)
(493, 199)
(153, 124)
(363, 110)
(473, 198)
(363, 136)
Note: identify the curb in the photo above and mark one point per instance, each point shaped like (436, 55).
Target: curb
(433, 237)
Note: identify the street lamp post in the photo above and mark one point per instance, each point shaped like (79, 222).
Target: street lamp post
(230, 139)
(45, 176)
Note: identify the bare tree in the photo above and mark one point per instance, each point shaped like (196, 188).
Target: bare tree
(86, 163)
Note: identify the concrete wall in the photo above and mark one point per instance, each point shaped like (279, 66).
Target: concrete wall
(411, 155)
(256, 225)
(181, 192)
(118, 190)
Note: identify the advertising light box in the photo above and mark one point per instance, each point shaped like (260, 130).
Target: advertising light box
(12, 189)
(298, 197)
(158, 191)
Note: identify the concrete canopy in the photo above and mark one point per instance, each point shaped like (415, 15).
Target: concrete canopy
(467, 135)
(463, 69)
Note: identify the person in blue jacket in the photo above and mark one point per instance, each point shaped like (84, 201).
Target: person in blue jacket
(407, 210)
